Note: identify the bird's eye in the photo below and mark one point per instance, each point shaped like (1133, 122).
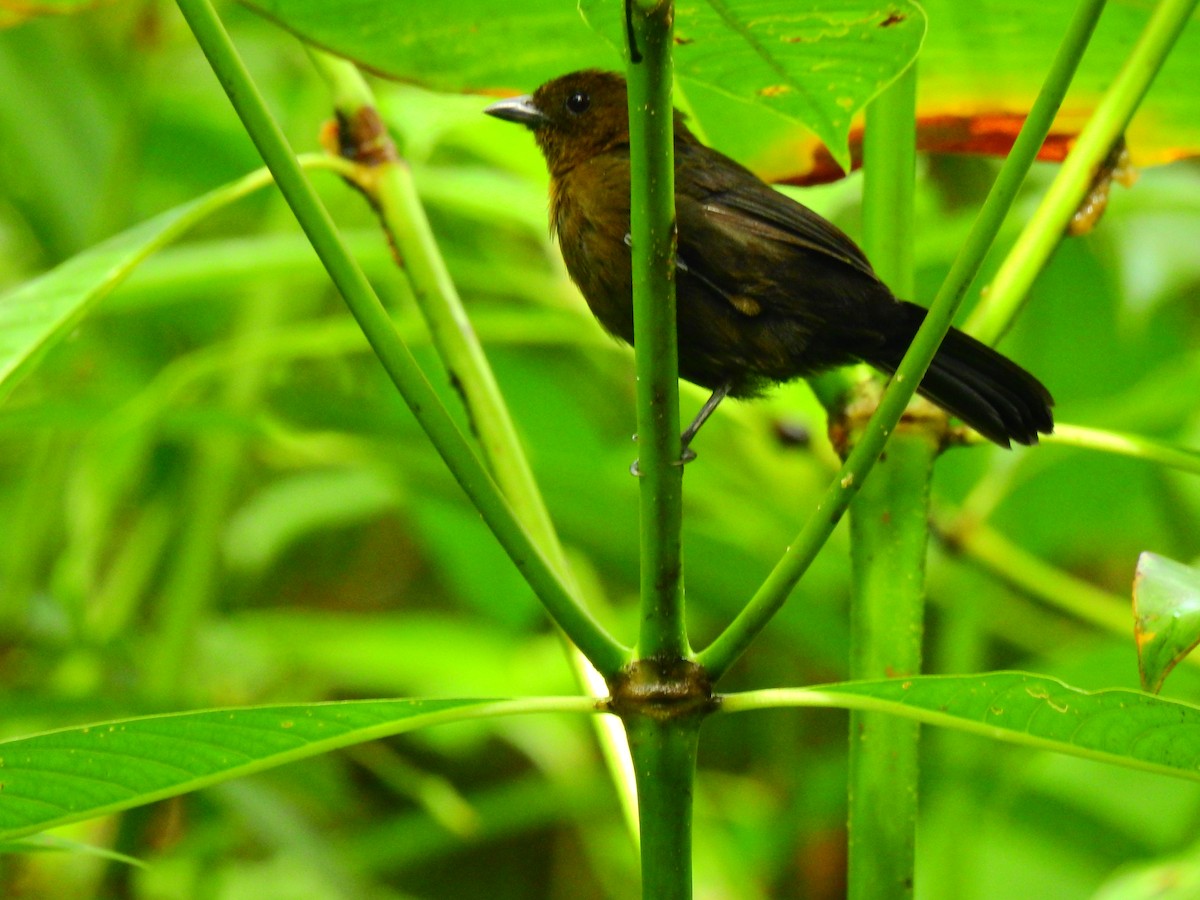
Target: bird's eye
(578, 103)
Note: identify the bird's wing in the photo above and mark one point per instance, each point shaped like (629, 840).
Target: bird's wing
(764, 254)
(732, 197)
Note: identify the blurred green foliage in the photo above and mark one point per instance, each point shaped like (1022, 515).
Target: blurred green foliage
(211, 495)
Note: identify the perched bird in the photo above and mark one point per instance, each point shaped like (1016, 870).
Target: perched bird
(766, 289)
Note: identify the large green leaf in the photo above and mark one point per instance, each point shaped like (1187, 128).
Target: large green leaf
(1126, 728)
(77, 773)
(815, 62)
(754, 70)
(482, 45)
(980, 68)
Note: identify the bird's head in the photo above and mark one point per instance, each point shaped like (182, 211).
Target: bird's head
(573, 118)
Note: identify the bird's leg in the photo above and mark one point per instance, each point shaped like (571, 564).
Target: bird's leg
(687, 454)
(685, 439)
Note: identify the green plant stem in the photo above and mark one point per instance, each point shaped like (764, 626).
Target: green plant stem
(888, 545)
(889, 182)
(394, 192)
(1131, 445)
(601, 649)
(652, 212)
(664, 763)
(889, 535)
(663, 749)
(722, 653)
(1008, 291)
(995, 553)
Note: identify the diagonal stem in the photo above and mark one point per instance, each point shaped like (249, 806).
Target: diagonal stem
(601, 648)
(725, 650)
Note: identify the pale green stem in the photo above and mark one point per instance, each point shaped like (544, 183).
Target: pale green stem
(1010, 288)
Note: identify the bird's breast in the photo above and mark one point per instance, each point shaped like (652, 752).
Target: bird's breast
(589, 211)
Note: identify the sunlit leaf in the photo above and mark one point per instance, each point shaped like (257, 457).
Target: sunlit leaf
(78, 773)
(1172, 879)
(1166, 612)
(817, 62)
(979, 70)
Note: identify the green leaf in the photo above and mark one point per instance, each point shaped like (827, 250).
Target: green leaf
(1166, 614)
(817, 62)
(1126, 728)
(77, 773)
(464, 45)
(40, 313)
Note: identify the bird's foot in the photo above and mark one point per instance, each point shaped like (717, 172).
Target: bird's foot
(685, 457)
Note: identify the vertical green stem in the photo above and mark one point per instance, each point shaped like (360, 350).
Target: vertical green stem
(652, 169)
(889, 539)
(664, 764)
(889, 535)
(663, 748)
(889, 182)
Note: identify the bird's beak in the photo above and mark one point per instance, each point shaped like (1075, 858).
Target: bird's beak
(520, 110)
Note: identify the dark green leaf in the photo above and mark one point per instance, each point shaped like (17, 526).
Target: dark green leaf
(77, 773)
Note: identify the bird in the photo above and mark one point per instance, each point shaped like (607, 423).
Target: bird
(766, 289)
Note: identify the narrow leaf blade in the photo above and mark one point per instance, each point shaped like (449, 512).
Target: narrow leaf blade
(38, 314)
(1122, 727)
(77, 773)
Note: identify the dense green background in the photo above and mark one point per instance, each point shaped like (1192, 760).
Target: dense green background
(211, 495)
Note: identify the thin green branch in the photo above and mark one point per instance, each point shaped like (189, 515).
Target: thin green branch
(603, 650)
(391, 187)
(1131, 445)
(652, 169)
(722, 653)
(1009, 289)
(991, 551)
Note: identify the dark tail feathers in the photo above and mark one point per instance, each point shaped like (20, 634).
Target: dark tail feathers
(972, 381)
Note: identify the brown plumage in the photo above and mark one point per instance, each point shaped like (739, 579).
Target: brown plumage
(767, 290)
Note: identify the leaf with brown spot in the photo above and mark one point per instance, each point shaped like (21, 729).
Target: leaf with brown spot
(1166, 613)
